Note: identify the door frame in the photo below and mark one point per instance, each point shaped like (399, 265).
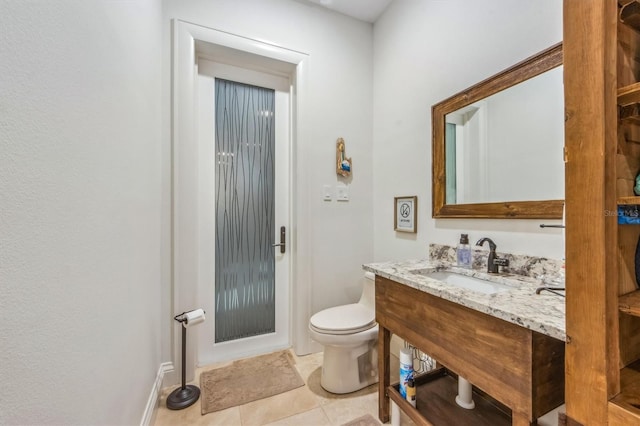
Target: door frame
(188, 41)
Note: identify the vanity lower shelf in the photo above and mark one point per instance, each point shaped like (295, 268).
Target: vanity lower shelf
(435, 403)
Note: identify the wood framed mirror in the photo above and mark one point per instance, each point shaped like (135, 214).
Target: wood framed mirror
(497, 147)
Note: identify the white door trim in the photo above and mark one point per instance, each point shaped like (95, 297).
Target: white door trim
(185, 180)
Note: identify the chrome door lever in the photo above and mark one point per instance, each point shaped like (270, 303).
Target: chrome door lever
(283, 238)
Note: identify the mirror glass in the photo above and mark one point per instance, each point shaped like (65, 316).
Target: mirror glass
(508, 146)
(498, 146)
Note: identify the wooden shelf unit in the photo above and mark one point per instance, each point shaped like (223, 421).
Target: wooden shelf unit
(602, 132)
(627, 167)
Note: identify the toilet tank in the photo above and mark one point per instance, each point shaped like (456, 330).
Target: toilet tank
(368, 297)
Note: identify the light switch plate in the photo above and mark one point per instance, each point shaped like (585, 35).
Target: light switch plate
(342, 192)
(327, 192)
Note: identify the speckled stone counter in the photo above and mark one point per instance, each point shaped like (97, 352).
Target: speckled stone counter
(519, 304)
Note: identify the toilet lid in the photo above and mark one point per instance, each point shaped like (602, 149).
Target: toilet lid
(346, 319)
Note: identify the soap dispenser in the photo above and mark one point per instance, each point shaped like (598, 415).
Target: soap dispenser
(464, 252)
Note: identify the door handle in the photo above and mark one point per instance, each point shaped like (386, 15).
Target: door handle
(283, 238)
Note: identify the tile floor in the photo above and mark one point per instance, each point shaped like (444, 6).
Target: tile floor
(309, 405)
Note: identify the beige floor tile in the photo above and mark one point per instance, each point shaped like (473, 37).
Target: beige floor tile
(228, 417)
(343, 410)
(405, 420)
(278, 407)
(315, 417)
(192, 415)
(307, 364)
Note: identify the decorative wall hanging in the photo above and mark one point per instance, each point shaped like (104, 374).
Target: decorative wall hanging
(405, 217)
(343, 164)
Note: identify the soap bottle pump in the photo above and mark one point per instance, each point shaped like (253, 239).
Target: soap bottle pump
(464, 252)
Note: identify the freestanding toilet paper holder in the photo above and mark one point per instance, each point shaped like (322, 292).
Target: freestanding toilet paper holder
(185, 395)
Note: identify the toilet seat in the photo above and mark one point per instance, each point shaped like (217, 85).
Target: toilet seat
(345, 319)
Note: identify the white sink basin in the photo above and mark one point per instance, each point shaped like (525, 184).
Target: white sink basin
(468, 283)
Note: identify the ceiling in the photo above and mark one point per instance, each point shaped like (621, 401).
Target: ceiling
(364, 10)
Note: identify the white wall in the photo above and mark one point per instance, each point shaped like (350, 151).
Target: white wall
(424, 52)
(339, 100)
(79, 210)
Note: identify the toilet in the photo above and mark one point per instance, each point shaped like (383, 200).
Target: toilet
(349, 334)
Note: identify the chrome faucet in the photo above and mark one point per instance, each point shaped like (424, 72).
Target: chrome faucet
(493, 261)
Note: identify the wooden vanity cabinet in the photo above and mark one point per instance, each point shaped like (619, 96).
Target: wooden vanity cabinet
(520, 368)
(602, 155)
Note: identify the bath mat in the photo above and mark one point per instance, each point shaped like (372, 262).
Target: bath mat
(248, 380)
(366, 420)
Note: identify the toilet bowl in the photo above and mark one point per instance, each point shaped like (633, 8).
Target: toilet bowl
(349, 334)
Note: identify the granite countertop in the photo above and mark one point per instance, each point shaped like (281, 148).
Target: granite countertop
(544, 312)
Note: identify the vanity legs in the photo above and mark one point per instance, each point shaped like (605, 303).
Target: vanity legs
(384, 339)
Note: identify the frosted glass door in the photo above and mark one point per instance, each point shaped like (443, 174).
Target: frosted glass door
(244, 211)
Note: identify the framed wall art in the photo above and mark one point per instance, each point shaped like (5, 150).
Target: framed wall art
(405, 218)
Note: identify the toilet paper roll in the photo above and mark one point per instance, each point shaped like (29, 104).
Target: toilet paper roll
(193, 318)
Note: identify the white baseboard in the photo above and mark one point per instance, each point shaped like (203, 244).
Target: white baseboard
(149, 415)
